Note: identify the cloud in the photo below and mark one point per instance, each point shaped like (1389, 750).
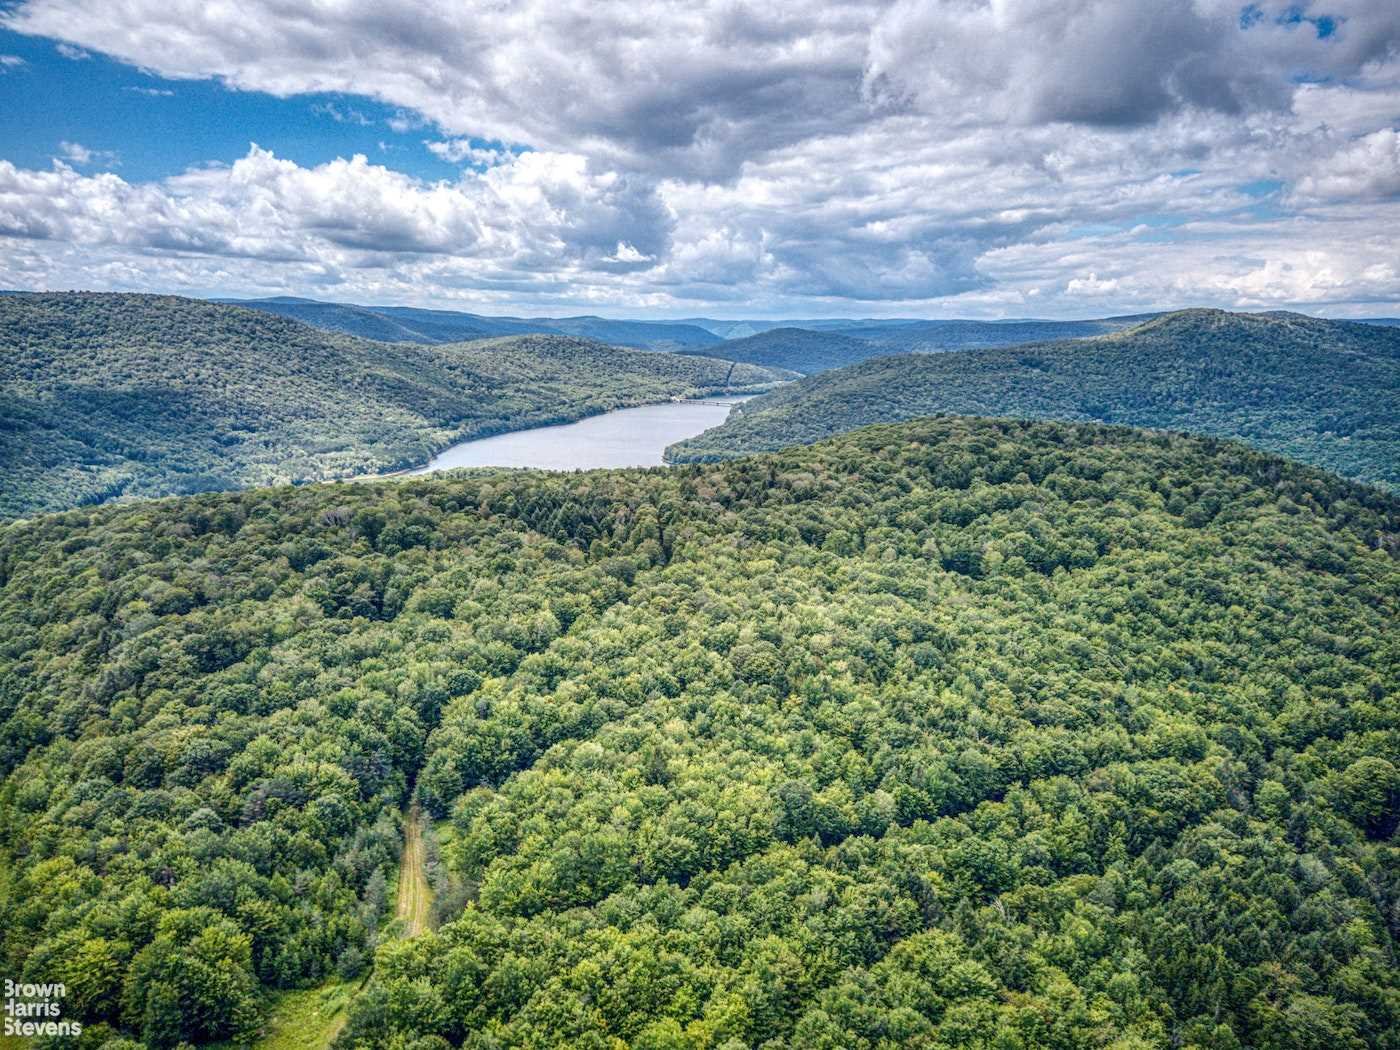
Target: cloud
(73, 54)
(341, 114)
(679, 87)
(1367, 169)
(150, 92)
(458, 151)
(1114, 63)
(77, 153)
(1092, 285)
(401, 123)
(932, 156)
(9, 63)
(542, 211)
(697, 88)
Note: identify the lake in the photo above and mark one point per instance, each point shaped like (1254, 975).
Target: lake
(627, 437)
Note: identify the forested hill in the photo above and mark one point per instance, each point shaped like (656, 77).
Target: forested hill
(936, 336)
(799, 350)
(141, 395)
(415, 325)
(952, 733)
(812, 350)
(1322, 392)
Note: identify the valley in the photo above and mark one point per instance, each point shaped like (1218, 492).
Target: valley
(129, 396)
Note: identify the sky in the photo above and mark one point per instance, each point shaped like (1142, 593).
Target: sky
(917, 158)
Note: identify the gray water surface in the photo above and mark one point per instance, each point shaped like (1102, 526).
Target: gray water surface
(628, 437)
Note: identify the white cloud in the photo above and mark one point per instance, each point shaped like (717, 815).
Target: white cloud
(341, 114)
(1367, 168)
(625, 253)
(73, 54)
(77, 153)
(11, 62)
(1115, 62)
(1092, 285)
(458, 151)
(540, 212)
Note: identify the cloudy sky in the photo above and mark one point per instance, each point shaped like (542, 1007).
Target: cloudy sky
(936, 158)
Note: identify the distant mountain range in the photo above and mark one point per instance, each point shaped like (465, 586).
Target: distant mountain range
(1322, 392)
(411, 325)
(822, 344)
(810, 351)
(804, 345)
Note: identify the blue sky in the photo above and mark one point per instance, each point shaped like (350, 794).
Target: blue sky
(939, 158)
(158, 127)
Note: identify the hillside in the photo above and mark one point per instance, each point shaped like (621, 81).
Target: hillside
(1322, 392)
(798, 350)
(137, 395)
(935, 336)
(837, 344)
(835, 341)
(958, 732)
(414, 325)
(368, 323)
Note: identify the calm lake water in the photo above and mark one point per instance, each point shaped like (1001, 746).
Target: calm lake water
(628, 437)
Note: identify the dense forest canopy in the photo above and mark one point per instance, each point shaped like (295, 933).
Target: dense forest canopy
(107, 395)
(1322, 392)
(959, 732)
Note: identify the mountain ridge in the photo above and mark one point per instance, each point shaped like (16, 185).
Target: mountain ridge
(418, 325)
(1324, 392)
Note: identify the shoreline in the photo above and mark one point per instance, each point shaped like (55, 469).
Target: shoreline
(420, 468)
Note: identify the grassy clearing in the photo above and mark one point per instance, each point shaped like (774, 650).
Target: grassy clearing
(307, 1019)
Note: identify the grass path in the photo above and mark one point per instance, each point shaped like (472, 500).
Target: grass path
(311, 1019)
(414, 897)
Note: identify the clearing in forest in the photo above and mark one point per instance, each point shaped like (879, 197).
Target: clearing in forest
(414, 897)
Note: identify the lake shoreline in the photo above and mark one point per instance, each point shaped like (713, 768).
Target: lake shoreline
(626, 436)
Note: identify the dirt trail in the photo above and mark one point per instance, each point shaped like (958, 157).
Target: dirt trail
(415, 897)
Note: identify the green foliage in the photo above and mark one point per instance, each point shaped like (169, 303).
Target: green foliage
(799, 350)
(934, 336)
(1322, 392)
(838, 344)
(414, 325)
(953, 733)
(103, 396)
(306, 1019)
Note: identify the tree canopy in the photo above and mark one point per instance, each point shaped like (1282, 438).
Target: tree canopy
(958, 732)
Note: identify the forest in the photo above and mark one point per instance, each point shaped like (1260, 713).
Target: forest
(951, 733)
(106, 396)
(1321, 392)
(800, 350)
(804, 346)
(410, 324)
